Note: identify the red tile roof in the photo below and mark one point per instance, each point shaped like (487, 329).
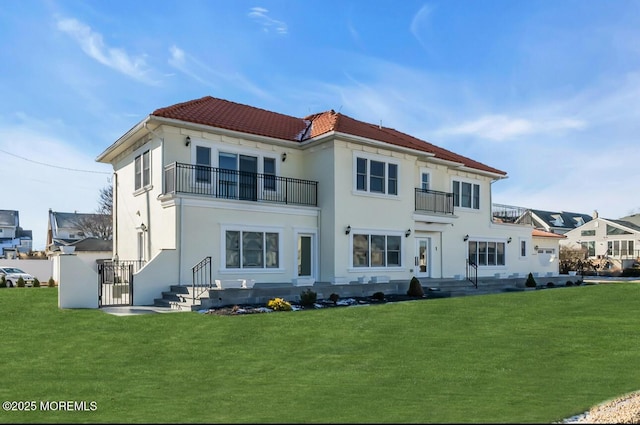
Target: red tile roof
(248, 119)
(544, 234)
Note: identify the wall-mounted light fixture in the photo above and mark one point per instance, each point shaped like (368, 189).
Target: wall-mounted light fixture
(466, 238)
(509, 240)
(187, 141)
(535, 247)
(284, 156)
(143, 227)
(407, 233)
(347, 230)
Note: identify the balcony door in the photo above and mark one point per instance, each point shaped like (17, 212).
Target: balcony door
(238, 176)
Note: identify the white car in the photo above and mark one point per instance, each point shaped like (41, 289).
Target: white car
(12, 274)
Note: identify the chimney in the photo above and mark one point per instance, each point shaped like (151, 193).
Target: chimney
(595, 214)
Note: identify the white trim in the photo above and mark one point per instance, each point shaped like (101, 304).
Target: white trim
(225, 227)
(297, 232)
(378, 158)
(239, 205)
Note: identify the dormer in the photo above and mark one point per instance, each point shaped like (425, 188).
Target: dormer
(557, 220)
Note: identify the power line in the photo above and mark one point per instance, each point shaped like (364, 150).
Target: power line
(54, 166)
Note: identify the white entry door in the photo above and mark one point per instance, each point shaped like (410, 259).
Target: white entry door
(422, 261)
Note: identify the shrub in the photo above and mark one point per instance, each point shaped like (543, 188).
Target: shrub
(334, 297)
(631, 272)
(531, 282)
(415, 288)
(51, 283)
(578, 282)
(20, 282)
(279, 304)
(3, 282)
(308, 298)
(379, 296)
(36, 282)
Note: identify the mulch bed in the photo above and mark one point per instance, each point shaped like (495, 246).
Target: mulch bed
(243, 309)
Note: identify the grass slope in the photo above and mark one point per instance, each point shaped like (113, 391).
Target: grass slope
(522, 357)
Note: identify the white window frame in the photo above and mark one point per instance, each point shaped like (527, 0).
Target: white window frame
(377, 232)
(141, 158)
(522, 248)
(378, 158)
(473, 184)
(490, 240)
(248, 228)
(425, 172)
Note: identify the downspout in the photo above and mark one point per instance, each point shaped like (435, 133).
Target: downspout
(148, 244)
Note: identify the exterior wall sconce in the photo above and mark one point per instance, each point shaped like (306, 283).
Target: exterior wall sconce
(509, 240)
(407, 233)
(187, 141)
(347, 230)
(143, 227)
(535, 247)
(284, 156)
(466, 238)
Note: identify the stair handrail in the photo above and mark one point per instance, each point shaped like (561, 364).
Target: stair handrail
(201, 278)
(472, 273)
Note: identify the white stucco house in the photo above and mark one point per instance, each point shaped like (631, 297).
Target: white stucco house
(612, 244)
(273, 198)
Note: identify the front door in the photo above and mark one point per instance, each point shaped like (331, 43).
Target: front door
(422, 261)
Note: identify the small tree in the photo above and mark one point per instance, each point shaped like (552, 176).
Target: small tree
(36, 282)
(415, 288)
(20, 282)
(3, 282)
(51, 283)
(531, 282)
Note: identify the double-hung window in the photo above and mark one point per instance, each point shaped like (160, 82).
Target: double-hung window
(246, 249)
(466, 195)
(376, 176)
(142, 166)
(376, 250)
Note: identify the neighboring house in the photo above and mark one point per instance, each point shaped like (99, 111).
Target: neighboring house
(13, 238)
(613, 244)
(278, 199)
(559, 222)
(84, 232)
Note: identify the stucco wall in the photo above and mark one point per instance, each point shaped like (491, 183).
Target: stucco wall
(42, 269)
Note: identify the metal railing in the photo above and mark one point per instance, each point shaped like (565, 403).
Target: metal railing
(239, 185)
(201, 278)
(472, 273)
(433, 201)
(510, 214)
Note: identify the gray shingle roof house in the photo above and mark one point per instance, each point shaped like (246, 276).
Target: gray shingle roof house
(13, 238)
(558, 221)
(85, 231)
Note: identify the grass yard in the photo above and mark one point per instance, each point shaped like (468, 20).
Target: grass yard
(520, 357)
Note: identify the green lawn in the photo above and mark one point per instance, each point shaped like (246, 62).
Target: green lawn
(520, 357)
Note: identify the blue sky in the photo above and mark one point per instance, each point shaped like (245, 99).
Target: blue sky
(546, 90)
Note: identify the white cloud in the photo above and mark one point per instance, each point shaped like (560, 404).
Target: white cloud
(259, 14)
(418, 22)
(93, 45)
(197, 70)
(502, 127)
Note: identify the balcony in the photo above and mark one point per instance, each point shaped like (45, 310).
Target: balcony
(239, 185)
(433, 201)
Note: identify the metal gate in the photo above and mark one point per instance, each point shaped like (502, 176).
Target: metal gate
(115, 283)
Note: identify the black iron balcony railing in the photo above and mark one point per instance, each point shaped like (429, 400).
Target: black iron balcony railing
(434, 201)
(239, 185)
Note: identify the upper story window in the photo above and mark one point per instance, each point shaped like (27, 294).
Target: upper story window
(424, 181)
(466, 195)
(142, 170)
(376, 176)
(587, 232)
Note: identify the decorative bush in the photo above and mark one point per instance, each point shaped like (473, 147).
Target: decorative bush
(36, 282)
(334, 297)
(279, 304)
(51, 283)
(415, 288)
(378, 296)
(3, 282)
(308, 298)
(20, 282)
(531, 282)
